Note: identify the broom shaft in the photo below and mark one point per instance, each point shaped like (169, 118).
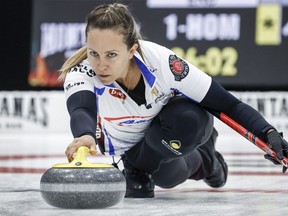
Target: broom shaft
(247, 134)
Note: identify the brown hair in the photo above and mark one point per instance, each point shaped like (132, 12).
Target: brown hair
(108, 16)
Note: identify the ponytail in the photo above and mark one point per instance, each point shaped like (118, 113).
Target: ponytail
(71, 62)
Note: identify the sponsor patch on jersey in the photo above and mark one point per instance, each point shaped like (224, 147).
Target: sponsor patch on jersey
(117, 93)
(71, 85)
(83, 69)
(178, 67)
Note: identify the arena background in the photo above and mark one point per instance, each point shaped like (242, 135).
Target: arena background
(241, 44)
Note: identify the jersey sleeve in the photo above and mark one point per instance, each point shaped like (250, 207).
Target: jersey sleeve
(184, 77)
(79, 78)
(219, 99)
(81, 100)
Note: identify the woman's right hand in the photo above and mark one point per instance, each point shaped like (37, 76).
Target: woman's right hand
(85, 140)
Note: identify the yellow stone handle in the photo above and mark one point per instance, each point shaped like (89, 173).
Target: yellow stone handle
(81, 154)
(80, 161)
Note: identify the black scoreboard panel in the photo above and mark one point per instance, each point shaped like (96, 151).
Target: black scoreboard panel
(242, 44)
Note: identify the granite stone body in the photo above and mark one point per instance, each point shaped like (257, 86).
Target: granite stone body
(80, 188)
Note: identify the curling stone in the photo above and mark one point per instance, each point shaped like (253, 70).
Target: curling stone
(82, 185)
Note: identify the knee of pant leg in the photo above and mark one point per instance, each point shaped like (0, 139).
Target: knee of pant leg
(189, 121)
(164, 181)
(168, 182)
(182, 114)
(183, 125)
(165, 185)
(172, 173)
(192, 126)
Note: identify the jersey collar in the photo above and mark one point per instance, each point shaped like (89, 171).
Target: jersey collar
(147, 74)
(150, 93)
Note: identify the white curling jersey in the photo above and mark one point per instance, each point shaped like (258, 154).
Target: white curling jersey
(122, 121)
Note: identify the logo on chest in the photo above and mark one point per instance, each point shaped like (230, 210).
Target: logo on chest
(118, 94)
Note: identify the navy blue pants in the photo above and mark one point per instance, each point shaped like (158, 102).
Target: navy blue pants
(178, 145)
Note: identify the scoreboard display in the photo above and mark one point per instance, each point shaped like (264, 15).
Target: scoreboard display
(243, 44)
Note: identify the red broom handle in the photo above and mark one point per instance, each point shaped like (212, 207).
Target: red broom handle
(248, 135)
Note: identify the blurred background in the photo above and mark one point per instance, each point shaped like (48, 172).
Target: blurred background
(243, 44)
(240, 43)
